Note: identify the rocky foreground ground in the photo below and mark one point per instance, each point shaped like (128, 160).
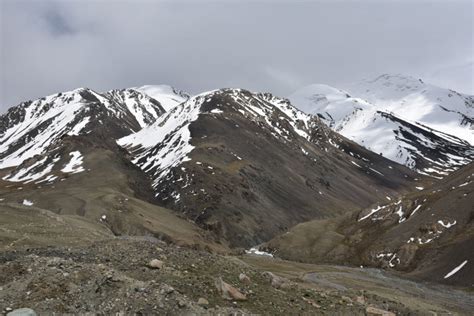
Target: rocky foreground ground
(147, 276)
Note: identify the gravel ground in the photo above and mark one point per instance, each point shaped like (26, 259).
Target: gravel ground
(114, 276)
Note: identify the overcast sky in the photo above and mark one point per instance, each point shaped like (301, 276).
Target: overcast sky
(52, 46)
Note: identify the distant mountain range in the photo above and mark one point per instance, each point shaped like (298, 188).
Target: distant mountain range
(226, 159)
(231, 168)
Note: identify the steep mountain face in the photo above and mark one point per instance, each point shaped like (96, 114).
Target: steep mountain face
(230, 160)
(31, 127)
(426, 128)
(426, 235)
(144, 108)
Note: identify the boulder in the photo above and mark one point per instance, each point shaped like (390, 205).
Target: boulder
(276, 281)
(374, 311)
(155, 264)
(202, 302)
(22, 312)
(229, 292)
(244, 278)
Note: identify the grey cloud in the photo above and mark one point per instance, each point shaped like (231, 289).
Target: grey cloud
(52, 46)
(57, 24)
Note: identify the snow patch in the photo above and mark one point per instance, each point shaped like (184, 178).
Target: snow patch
(216, 111)
(448, 225)
(27, 202)
(75, 164)
(373, 211)
(256, 251)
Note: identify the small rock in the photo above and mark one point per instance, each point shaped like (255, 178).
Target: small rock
(22, 312)
(166, 289)
(373, 311)
(360, 300)
(181, 304)
(311, 302)
(229, 292)
(202, 301)
(244, 278)
(155, 264)
(277, 282)
(346, 299)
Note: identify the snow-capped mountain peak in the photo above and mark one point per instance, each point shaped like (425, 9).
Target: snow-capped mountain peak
(416, 101)
(425, 127)
(167, 143)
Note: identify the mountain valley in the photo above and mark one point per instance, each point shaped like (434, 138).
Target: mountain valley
(252, 203)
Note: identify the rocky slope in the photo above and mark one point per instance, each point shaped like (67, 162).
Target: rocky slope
(426, 235)
(424, 127)
(230, 159)
(115, 276)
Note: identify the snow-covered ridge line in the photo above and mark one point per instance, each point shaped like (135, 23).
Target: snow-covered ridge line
(417, 101)
(32, 127)
(51, 117)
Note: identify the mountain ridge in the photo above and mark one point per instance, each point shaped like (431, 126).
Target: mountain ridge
(201, 164)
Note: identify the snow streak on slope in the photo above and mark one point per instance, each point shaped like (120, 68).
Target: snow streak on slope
(145, 109)
(168, 97)
(33, 172)
(167, 142)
